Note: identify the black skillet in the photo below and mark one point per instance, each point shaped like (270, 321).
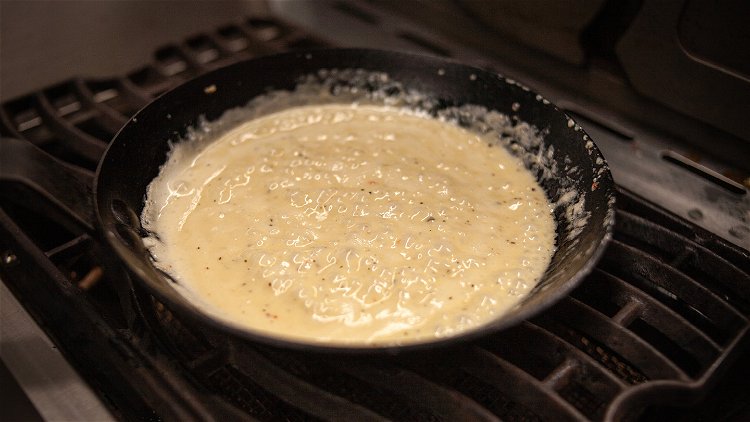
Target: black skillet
(140, 148)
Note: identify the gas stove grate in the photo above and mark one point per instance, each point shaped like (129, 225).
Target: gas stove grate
(660, 321)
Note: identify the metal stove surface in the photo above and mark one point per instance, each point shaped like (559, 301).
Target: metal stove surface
(674, 290)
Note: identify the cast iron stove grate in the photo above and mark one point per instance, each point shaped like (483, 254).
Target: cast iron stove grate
(659, 324)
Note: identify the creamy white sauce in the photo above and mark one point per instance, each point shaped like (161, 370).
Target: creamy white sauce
(350, 224)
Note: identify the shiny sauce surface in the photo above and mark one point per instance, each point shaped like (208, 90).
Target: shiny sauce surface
(350, 224)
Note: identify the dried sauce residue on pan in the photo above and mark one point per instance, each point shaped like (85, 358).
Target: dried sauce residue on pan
(365, 89)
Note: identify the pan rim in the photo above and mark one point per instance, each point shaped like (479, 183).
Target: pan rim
(174, 299)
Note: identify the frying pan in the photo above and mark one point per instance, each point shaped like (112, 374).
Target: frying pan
(582, 182)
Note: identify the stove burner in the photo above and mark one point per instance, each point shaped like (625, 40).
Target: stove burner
(658, 326)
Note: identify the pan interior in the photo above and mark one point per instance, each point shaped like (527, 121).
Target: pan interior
(553, 147)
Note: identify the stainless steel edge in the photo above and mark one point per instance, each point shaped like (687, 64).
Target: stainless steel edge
(52, 385)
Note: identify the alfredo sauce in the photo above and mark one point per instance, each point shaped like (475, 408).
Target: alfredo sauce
(350, 224)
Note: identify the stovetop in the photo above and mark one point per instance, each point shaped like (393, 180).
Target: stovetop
(660, 328)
